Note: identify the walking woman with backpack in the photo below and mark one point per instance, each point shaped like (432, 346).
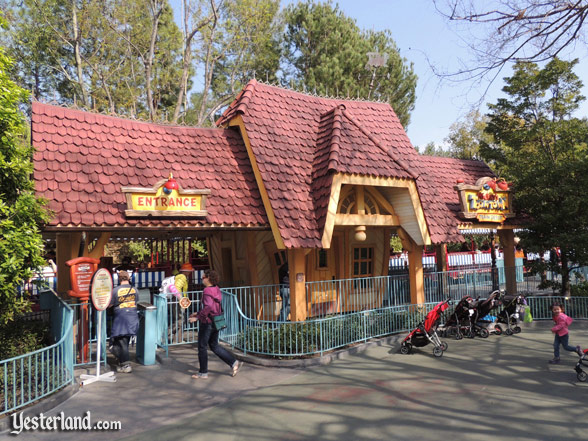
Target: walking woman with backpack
(210, 306)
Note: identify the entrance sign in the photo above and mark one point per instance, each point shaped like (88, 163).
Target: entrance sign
(489, 200)
(165, 198)
(101, 289)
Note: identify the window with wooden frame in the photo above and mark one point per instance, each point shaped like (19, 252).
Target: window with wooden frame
(322, 259)
(363, 262)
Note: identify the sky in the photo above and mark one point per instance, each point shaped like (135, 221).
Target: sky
(425, 38)
(428, 40)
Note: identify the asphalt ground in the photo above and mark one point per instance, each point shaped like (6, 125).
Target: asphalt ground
(481, 389)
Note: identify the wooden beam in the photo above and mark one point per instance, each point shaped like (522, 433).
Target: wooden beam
(252, 257)
(381, 200)
(415, 267)
(297, 268)
(331, 212)
(67, 248)
(98, 250)
(379, 220)
(238, 122)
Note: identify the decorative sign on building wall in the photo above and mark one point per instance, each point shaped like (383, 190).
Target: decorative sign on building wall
(165, 198)
(489, 200)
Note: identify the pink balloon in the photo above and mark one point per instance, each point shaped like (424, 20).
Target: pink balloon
(173, 289)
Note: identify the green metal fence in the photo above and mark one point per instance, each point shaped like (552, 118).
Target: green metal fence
(30, 377)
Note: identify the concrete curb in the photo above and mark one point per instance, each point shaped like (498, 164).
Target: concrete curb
(299, 363)
(44, 405)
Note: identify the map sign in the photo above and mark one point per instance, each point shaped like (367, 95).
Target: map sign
(101, 289)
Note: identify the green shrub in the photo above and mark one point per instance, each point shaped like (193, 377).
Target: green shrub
(21, 337)
(336, 331)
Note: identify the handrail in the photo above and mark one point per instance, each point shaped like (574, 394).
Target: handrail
(26, 382)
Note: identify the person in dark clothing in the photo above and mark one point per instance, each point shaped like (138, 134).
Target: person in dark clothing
(210, 306)
(284, 276)
(126, 321)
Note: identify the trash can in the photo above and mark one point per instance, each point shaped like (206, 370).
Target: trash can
(146, 337)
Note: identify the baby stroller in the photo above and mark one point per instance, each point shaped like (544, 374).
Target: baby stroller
(583, 361)
(514, 306)
(425, 332)
(481, 309)
(460, 321)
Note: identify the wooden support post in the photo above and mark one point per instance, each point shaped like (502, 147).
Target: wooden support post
(297, 268)
(441, 255)
(415, 268)
(508, 251)
(67, 247)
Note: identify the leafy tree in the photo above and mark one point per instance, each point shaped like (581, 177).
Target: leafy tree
(240, 43)
(431, 149)
(119, 57)
(326, 52)
(465, 136)
(542, 149)
(21, 213)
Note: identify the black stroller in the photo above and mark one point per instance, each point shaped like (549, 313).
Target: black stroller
(461, 321)
(481, 309)
(514, 307)
(583, 361)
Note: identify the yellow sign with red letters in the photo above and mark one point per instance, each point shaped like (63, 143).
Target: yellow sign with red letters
(166, 198)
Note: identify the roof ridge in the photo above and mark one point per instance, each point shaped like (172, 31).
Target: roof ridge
(315, 95)
(388, 151)
(240, 103)
(336, 127)
(76, 108)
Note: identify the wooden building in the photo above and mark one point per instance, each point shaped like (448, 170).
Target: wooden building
(318, 182)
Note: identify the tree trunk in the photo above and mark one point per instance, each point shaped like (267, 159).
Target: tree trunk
(77, 53)
(565, 273)
(156, 11)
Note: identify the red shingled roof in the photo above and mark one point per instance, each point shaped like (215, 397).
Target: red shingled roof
(287, 129)
(299, 141)
(83, 159)
(440, 201)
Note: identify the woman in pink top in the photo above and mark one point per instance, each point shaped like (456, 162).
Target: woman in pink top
(560, 330)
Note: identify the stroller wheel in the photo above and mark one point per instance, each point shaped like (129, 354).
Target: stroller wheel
(497, 330)
(508, 331)
(517, 329)
(470, 333)
(437, 351)
(405, 348)
(484, 333)
(582, 376)
(444, 346)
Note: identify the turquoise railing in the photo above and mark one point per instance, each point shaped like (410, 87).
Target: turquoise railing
(575, 307)
(30, 377)
(340, 312)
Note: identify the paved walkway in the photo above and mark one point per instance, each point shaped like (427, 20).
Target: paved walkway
(481, 389)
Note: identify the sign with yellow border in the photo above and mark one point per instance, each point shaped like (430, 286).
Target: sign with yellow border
(489, 200)
(165, 198)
